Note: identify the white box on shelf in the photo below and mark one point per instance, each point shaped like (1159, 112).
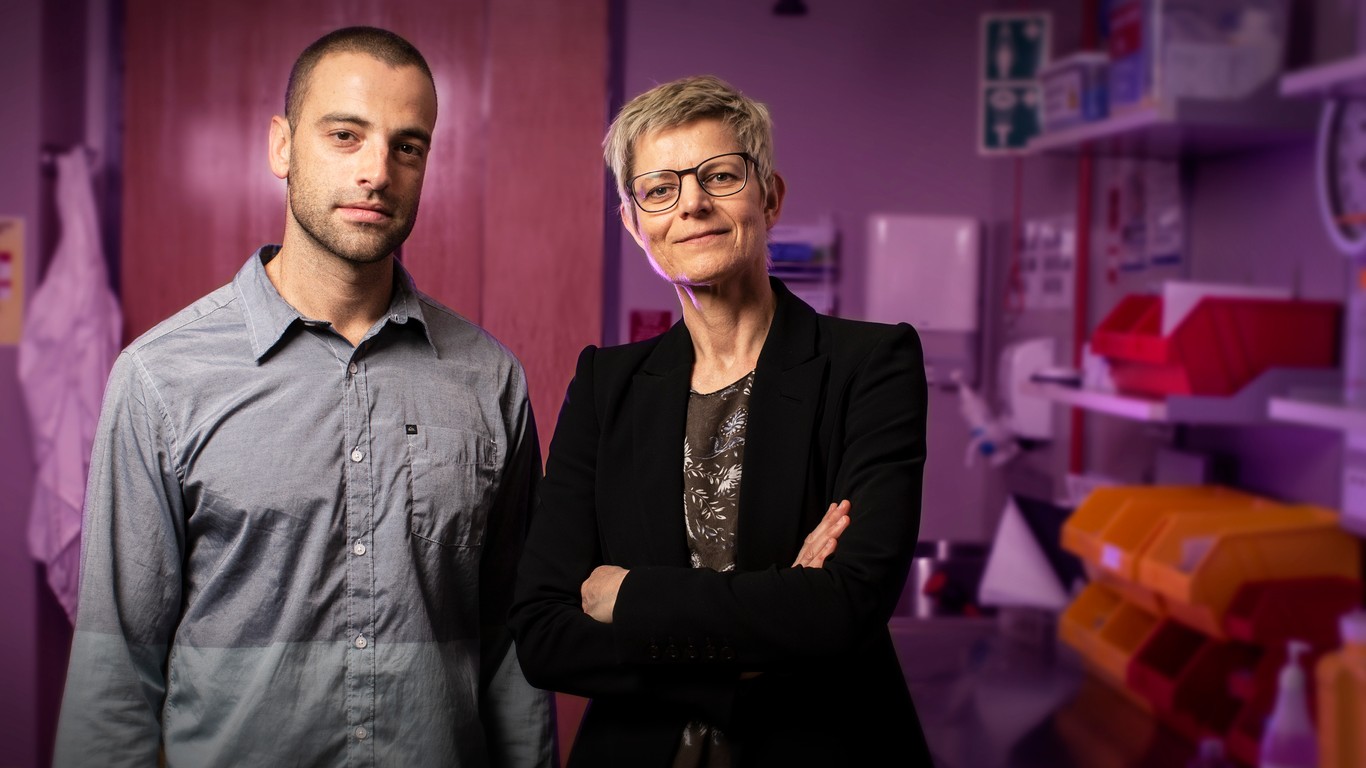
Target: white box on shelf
(1074, 90)
(1166, 50)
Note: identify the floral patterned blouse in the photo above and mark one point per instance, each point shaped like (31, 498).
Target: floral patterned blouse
(713, 455)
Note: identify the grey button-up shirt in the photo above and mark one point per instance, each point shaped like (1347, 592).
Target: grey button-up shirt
(299, 552)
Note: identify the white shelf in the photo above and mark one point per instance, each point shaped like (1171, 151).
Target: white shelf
(804, 271)
(1136, 408)
(1248, 406)
(1187, 127)
(1346, 77)
(1323, 408)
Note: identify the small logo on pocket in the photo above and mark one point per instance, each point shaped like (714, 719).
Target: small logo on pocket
(410, 429)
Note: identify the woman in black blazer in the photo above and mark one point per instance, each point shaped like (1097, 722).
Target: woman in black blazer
(682, 569)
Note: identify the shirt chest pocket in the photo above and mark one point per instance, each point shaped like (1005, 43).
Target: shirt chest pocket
(453, 478)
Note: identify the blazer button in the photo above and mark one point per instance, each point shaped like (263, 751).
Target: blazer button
(672, 653)
(727, 653)
(654, 652)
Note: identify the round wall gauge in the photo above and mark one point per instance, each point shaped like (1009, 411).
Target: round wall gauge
(1341, 173)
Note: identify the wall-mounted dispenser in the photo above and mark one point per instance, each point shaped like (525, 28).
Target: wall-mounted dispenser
(926, 271)
(1026, 416)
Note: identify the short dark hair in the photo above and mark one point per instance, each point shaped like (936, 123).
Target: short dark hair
(373, 41)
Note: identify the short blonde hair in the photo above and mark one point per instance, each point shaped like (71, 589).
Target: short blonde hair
(681, 102)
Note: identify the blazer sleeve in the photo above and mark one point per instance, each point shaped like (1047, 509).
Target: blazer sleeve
(560, 647)
(781, 617)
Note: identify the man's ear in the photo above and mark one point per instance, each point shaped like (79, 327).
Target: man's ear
(280, 138)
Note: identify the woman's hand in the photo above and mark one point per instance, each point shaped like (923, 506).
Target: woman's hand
(599, 592)
(820, 543)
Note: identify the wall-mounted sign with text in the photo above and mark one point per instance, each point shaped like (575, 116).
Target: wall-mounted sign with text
(1048, 263)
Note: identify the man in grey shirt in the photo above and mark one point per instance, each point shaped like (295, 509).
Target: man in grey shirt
(309, 488)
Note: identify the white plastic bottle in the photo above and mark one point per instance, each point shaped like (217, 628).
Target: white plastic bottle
(1290, 740)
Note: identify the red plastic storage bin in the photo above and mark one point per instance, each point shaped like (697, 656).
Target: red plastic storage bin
(1272, 612)
(1206, 701)
(1191, 679)
(1162, 662)
(1221, 345)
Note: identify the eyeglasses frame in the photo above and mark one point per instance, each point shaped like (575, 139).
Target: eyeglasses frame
(630, 183)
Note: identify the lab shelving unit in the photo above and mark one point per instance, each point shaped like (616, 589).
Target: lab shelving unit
(1189, 128)
(1345, 77)
(1185, 128)
(1323, 407)
(1248, 406)
(1192, 129)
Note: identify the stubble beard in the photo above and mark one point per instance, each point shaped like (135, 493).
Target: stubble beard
(365, 244)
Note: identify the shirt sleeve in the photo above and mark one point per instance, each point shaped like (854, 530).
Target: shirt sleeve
(132, 545)
(516, 716)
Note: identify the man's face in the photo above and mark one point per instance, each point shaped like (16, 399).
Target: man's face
(356, 156)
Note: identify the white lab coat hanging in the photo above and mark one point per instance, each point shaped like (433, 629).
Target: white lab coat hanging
(70, 339)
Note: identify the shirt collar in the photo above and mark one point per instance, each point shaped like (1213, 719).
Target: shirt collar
(269, 316)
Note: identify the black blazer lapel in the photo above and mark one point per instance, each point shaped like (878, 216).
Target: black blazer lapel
(783, 409)
(659, 410)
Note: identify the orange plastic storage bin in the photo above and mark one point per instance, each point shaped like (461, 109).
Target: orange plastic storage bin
(1110, 530)
(1221, 345)
(1198, 562)
(1106, 631)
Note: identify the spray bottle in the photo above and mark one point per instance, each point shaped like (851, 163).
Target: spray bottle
(988, 438)
(1289, 740)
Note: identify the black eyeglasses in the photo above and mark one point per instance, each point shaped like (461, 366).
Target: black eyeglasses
(720, 176)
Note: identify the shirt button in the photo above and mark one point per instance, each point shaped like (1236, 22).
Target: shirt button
(356, 455)
(360, 641)
(361, 733)
(359, 549)
(353, 368)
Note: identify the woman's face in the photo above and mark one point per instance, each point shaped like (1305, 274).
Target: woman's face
(703, 240)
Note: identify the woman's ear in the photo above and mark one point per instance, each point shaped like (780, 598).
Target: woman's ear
(773, 200)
